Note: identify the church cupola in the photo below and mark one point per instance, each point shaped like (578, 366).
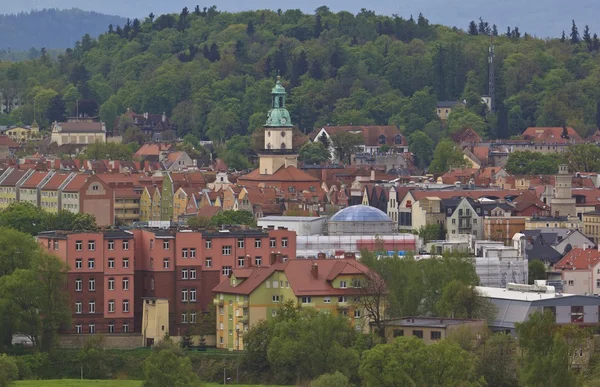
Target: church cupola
(278, 115)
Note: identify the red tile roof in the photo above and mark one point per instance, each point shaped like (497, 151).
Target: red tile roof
(5, 140)
(283, 174)
(579, 259)
(152, 149)
(528, 199)
(13, 177)
(550, 134)
(34, 180)
(76, 183)
(55, 181)
(209, 211)
(466, 135)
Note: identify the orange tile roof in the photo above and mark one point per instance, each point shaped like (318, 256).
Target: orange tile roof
(283, 174)
(209, 211)
(550, 134)
(55, 181)
(152, 149)
(12, 179)
(34, 180)
(5, 140)
(579, 259)
(127, 193)
(76, 183)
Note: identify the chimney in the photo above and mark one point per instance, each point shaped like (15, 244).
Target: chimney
(585, 246)
(314, 270)
(164, 117)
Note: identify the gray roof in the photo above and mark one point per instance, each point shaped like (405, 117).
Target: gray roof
(274, 218)
(360, 213)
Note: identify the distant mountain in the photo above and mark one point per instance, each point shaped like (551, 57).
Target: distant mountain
(540, 18)
(51, 28)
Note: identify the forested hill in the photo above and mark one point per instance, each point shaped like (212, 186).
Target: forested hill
(51, 28)
(212, 73)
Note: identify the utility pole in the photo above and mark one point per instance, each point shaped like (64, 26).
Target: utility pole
(491, 81)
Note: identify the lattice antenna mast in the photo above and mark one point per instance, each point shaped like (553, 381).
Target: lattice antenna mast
(491, 81)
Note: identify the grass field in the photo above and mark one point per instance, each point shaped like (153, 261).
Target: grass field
(96, 383)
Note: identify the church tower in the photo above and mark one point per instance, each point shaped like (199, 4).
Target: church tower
(563, 204)
(278, 147)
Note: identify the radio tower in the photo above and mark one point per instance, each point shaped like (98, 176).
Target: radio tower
(491, 81)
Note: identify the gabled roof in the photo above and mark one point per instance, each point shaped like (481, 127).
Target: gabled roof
(447, 104)
(283, 174)
(551, 134)
(152, 149)
(34, 179)
(526, 200)
(81, 127)
(7, 141)
(370, 133)
(76, 183)
(579, 259)
(56, 181)
(13, 178)
(209, 211)
(466, 135)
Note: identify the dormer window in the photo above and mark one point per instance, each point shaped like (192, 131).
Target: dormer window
(382, 139)
(398, 139)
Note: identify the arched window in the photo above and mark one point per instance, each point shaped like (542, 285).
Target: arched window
(398, 139)
(268, 146)
(280, 102)
(382, 139)
(283, 145)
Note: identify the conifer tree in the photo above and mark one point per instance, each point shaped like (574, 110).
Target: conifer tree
(575, 39)
(250, 28)
(595, 43)
(473, 28)
(563, 38)
(587, 38)
(494, 30)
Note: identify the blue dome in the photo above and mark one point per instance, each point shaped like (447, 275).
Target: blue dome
(360, 213)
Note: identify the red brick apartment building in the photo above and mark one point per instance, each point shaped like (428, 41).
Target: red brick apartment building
(110, 272)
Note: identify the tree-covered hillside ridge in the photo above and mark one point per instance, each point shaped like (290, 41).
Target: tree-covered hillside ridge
(51, 28)
(212, 73)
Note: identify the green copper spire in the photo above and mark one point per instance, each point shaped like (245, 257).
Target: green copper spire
(278, 115)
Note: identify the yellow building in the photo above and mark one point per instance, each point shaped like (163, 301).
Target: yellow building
(156, 201)
(50, 193)
(23, 133)
(254, 294)
(155, 320)
(591, 225)
(145, 206)
(537, 222)
(180, 201)
(10, 180)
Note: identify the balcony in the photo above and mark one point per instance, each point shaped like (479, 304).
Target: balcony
(127, 216)
(218, 302)
(127, 206)
(243, 304)
(343, 305)
(243, 319)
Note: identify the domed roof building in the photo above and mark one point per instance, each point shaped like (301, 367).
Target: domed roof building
(361, 220)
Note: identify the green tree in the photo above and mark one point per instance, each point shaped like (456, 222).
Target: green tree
(346, 144)
(497, 360)
(56, 110)
(336, 379)
(167, 366)
(461, 118)
(537, 270)
(231, 217)
(134, 135)
(446, 157)
(24, 217)
(431, 232)
(533, 163)
(9, 371)
(313, 153)
(108, 151)
(464, 301)
(583, 158)
(421, 146)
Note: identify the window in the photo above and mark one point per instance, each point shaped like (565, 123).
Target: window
(221, 340)
(571, 282)
(230, 317)
(257, 243)
(226, 250)
(184, 295)
(111, 245)
(240, 243)
(125, 283)
(92, 307)
(382, 139)
(184, 318)
(226, 270)
(275, 298)
(55, 245)
(272, 242)
(306, 300)
(342, 299)
(151, 244)
(91, 245)
(192, 317)
(78, 285)
(193, 253)
(418, 334)
(343, 285)
(166, 245)
(184, 253)
(125, 263)
(125, 327)
(78, 245)
(275, 284)
(152, 283)
(208, 262)
(125, 306)
(184, 274)
(192, 274)
(257, 261)
(357, 313)
(231, 332)
(208, 244)
(111, 263)
(125, 245)
(78, 263)
(78, 329)
(111, 328)
(284, 242)
(327, 300)
(193, 295)
(111, 284)
(356, 283)
(92, 328)
(111, 306)
(166, 263)
(398, 332)
(92, 285)
(241, 261)
(78, 307)
(91, 263)
(577, 314)
(435, 335)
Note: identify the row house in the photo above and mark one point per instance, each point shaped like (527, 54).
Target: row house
(110, 273)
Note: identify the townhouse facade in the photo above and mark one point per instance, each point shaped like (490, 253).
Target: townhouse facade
(110, 273)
